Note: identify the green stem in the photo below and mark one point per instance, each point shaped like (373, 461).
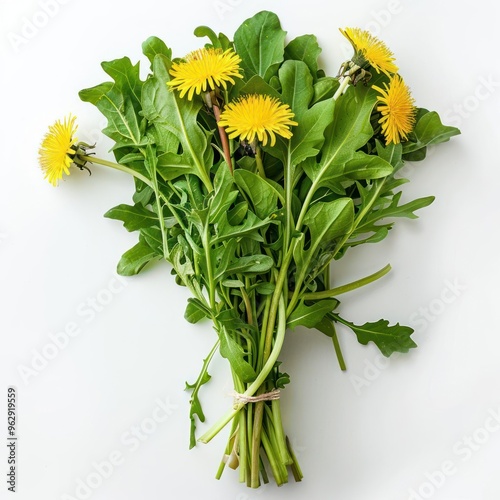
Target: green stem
(306, 204)
(273, 461)
(261, 377)
(243, 445)
(248, 305)
(262, 336)
(380, 184)
(289, 170)
(276, 303)
(297, 472)
(280, 435)
(249, 414)
(208, 260)
(137, 175)
(338, 350)
(227, 452)
(199, 382)
(117, 166)
(325, 294)
(341, 243)
(336, 317)
(161, 219)
(256, 443)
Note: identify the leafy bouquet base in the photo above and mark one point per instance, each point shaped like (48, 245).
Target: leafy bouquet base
(254, 173)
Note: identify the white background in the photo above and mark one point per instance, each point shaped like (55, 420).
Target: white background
(377, 432)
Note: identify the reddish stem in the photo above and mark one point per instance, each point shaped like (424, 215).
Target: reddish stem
(223, 138)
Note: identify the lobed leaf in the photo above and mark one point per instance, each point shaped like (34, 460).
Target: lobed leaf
(119, 102)
(429, 130)
(389, 339)
(133, 217)
(262, 194)
(178, 116)
(259, 41)
(235, 354)
(311, 316)
(304, 48)
(135, 259)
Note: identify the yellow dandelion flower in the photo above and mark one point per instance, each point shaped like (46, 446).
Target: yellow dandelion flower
(398, 110)
(370, 50)
(56, 152)
(257, 115)
(205, 69)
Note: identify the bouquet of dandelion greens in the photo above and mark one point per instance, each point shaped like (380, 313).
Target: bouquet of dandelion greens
(254, 172)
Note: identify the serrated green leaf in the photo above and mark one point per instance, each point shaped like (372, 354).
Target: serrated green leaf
(182, 263)
(265, 288)
(324, 88)
(133, 260)
(119, 102)
(379, 233)
(310, 316)
(296, 87)
(363, 166)
(165, 140)
(132, 158)
(178, 116)
(429, 130)
(250, 228)
(418, 155)
(262, 194)
(259, 41)
(329, 220)
(394, 210)
(349, 131)
(152, 46)
(233, 284)
(205, 378)
(308, 135)
(238, 213)
(143, 193)
(257, 85)
(152, 237)
(190, 187)
(202, 31)
(326, 327)
(326, 221)
(250, 264)
(133, 217)
(230, 320)
(195, 311)
(195, 404)
(224, 193)
(235, 354)
(391, 153)
(171, 166)
(222, 255)
(304, 48)
(388, 339)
